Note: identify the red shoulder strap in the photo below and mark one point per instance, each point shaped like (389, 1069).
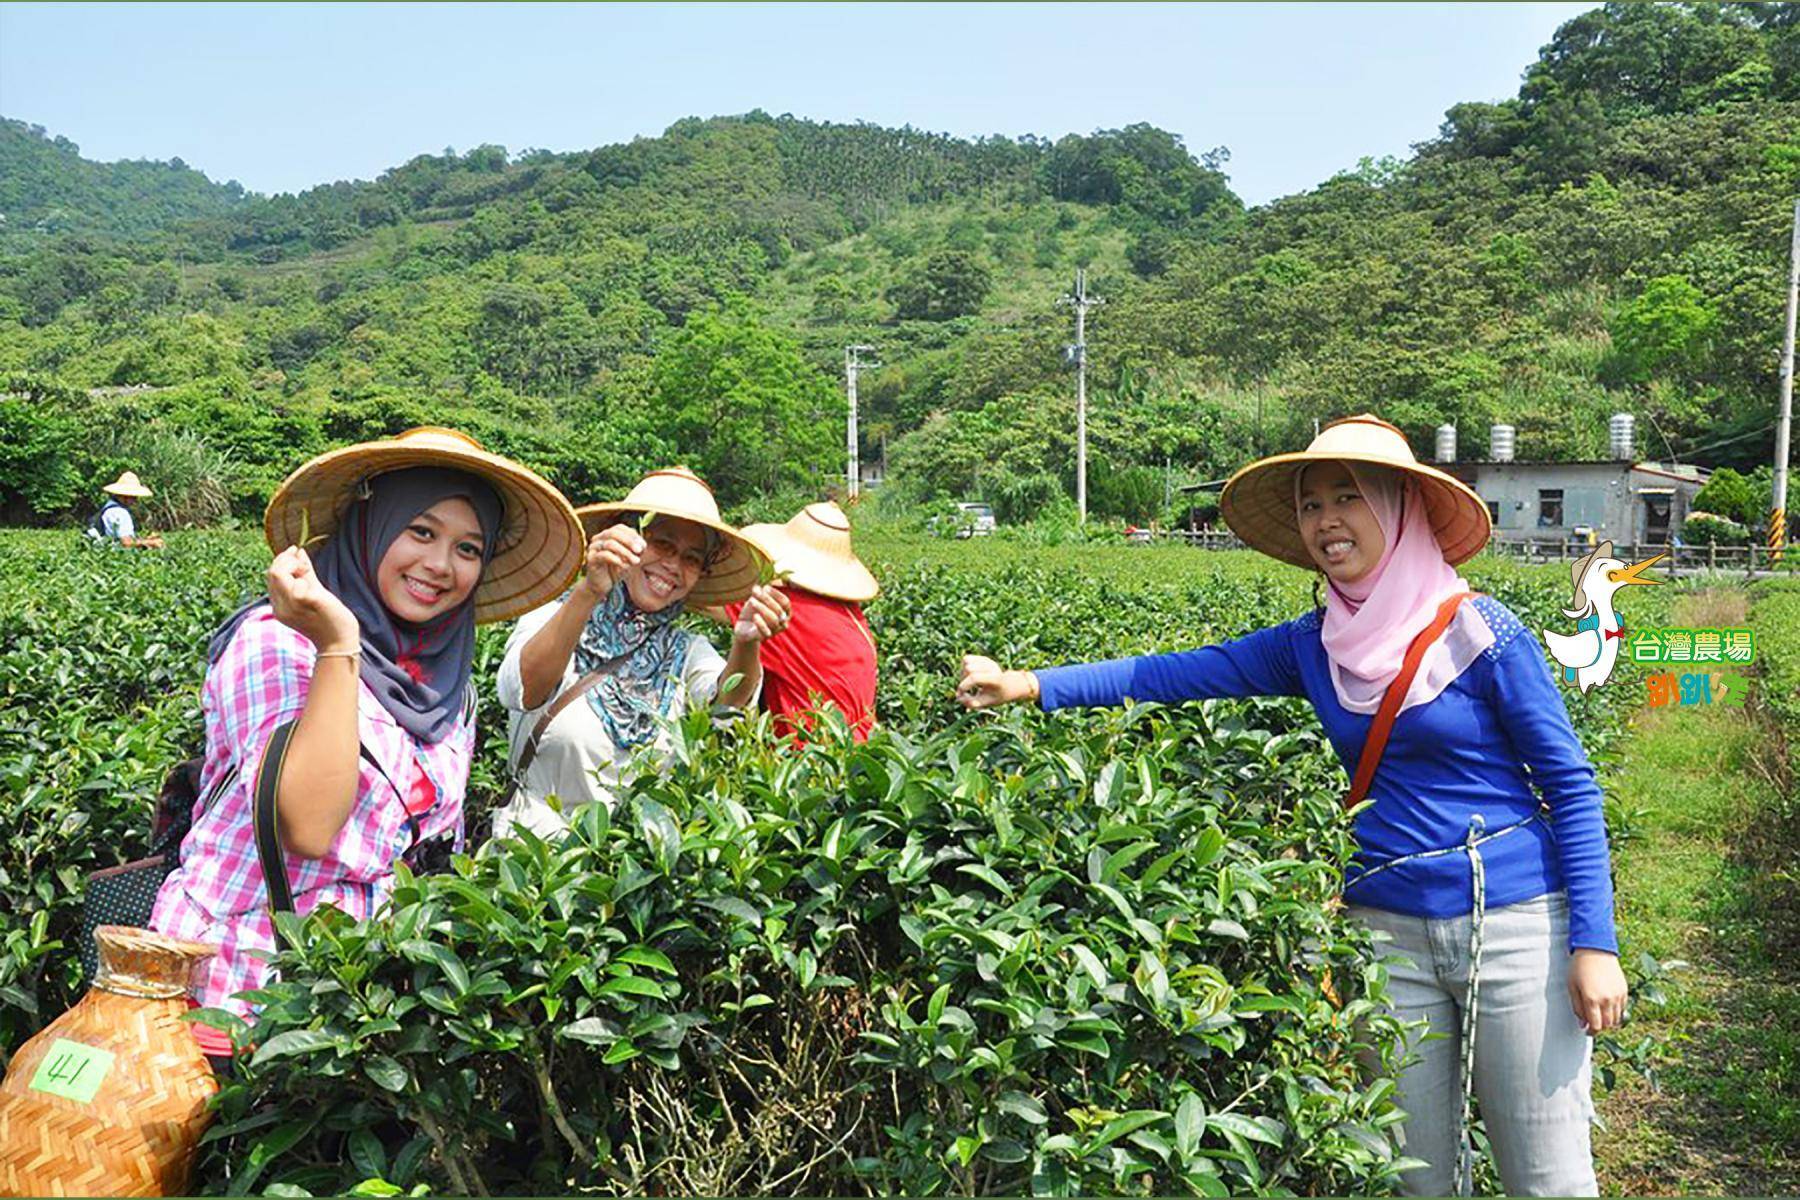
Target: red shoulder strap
(1396, 692)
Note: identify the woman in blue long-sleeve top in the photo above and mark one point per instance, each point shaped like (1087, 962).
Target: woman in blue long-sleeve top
(1483, 854)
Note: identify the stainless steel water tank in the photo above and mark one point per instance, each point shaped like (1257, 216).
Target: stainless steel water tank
(1621, 434)
(1502, 443)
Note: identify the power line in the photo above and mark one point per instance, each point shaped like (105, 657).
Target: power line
(1692, 450)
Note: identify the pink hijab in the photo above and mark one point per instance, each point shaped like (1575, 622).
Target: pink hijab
(1370, 623)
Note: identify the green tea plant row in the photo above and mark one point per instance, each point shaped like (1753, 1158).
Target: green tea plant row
(1035, 606)
(1005, 953)
(101, 656)
(993, 958)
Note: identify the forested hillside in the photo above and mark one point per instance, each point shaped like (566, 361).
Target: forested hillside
(1613, 237)
(47, 189)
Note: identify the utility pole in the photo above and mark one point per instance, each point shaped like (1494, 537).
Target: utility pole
(1081, 302)
(852, 364)
(1778, 499)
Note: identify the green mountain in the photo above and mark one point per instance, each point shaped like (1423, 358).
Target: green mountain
(1612, 238)
(47, 189)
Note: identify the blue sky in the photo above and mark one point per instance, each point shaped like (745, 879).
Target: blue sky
(284, 96)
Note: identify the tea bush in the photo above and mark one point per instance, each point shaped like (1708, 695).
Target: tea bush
(1093, 952)
(1001, 957)
(101, 654)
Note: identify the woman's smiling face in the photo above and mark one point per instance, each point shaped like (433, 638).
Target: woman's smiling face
(1337, 524)
(434, 564)
(674, 560)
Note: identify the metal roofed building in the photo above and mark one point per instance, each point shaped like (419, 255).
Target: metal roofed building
(1557, 504)
(1631, 501)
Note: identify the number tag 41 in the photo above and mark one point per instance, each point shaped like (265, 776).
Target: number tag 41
(72, 1070)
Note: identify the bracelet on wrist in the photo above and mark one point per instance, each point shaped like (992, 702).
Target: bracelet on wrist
(1032, 691)
(356, 653)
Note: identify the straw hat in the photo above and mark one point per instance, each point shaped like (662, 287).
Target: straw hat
(678, 492)
(540, 546)
(1258, 501)
(127, 485)
(814, 548)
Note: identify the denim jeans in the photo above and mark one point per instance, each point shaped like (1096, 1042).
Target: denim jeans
(1533, 1060)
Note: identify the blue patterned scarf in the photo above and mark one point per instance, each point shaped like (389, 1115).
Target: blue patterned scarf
(645, 654)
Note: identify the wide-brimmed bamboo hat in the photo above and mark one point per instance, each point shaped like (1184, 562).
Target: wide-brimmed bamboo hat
(814, 550)
(127, 485)
(1258, 501)
(539, 546)
(678, 492)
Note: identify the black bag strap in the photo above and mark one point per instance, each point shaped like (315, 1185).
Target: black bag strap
(581, 687)
(412, 822)
(97, 523)
(268, 830)
(266, 816)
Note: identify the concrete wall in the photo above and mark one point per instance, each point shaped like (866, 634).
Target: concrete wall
(1608, 496)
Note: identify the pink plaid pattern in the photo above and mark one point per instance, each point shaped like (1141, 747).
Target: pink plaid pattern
(217, 894)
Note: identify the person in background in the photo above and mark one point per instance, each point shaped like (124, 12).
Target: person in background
(1483, 853)
(114, 522)
(827, 655)
(365, 644)
(590, 679)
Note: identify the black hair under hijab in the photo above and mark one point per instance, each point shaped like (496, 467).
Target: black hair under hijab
(420, 673)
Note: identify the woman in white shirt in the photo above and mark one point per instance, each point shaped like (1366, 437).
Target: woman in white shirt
(590, 679)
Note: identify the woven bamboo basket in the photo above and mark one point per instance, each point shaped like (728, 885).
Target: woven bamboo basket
(110, 1098)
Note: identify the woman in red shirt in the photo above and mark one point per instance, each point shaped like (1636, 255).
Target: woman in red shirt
(827, 653)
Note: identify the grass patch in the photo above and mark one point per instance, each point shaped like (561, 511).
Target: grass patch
(1692, 887)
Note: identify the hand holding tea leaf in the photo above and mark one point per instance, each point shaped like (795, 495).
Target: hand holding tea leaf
(610, 553)
(764, 615)
(985, 684)
(303, 603)
(767, 575)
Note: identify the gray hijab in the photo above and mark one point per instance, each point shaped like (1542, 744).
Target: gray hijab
(420, 673)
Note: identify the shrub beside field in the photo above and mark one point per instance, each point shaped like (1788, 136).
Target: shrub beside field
(1775, 613)
(1002, 953)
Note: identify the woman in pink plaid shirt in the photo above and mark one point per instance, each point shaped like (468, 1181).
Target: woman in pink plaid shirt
(366, 644)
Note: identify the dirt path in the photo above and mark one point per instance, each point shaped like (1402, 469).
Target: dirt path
(1726, 1120)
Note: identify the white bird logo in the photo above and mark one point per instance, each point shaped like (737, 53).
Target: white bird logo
(1587, 655)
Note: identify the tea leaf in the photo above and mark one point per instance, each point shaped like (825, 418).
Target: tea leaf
(294, 1041)
(386, 1072)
